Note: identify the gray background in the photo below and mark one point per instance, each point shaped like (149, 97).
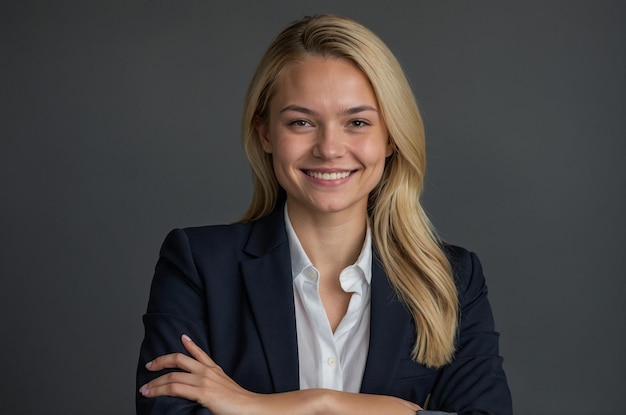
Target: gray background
(120, 121)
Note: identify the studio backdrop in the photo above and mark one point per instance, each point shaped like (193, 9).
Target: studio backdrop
(120, 121)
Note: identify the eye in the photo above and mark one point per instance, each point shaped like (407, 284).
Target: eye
(299, 123)
(359, 123)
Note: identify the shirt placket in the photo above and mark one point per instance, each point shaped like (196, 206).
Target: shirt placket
(331, 373)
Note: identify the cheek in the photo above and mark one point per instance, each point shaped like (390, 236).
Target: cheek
(283, 159)
(287, 151)
(376, 160)
(375, 154)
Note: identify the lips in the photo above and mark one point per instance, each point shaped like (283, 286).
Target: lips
(328, 176)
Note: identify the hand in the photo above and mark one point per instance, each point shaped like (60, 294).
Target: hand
(202, 381)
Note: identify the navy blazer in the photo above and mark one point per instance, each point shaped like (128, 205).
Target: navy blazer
(230, 288)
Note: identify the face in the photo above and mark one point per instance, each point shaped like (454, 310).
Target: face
(326, 135)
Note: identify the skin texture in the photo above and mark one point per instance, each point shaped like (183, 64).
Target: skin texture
(329, 144)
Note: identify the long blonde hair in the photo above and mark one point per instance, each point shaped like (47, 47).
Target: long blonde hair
(404, 239)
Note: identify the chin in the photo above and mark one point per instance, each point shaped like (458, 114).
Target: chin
(337, 206)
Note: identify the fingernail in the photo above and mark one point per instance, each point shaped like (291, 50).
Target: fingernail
(148, 365)
(143, 390)
(186, 338)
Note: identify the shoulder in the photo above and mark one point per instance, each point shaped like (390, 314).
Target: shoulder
(207, 240)
(227, 243)
(216, 236)
(459, 257)
(467, 270)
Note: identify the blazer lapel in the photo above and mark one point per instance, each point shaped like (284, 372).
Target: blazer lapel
(269, 284)
(389, 326)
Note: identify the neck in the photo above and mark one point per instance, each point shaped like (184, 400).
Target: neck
(332, 241)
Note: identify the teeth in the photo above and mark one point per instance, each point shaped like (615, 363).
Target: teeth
(328, 176)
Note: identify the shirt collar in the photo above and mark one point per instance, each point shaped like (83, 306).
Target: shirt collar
(300, 261)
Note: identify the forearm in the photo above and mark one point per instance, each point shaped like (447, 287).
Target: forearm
(329, 402)
(202, 381)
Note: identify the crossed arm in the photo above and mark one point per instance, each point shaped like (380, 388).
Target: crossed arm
(203, 381)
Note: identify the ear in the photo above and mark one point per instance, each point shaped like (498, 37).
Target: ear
(262, 131)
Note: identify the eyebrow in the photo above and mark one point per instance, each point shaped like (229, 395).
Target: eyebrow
(347, 111)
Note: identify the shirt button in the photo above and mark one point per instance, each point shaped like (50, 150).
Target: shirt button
(331, 361)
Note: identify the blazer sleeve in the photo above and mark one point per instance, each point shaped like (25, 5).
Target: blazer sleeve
(176, 307)
(474, 383)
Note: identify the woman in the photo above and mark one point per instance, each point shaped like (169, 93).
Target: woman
(333, 294)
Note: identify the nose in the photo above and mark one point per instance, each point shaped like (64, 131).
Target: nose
(329, 144)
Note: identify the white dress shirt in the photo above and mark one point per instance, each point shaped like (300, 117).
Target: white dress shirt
(326, 359)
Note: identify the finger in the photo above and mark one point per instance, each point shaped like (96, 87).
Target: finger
(197, 352)
(175, 389)
(184, 378)
(187, 385)
(173, 361)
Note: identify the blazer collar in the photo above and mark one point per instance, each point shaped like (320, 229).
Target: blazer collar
(268, 233)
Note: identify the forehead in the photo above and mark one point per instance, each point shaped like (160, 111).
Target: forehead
(323, 77)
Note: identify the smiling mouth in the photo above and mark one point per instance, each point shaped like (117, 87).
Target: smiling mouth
(328, 176)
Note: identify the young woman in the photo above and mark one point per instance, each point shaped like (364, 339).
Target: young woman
(333, 295)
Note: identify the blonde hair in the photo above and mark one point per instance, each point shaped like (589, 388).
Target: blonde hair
(404, 239)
